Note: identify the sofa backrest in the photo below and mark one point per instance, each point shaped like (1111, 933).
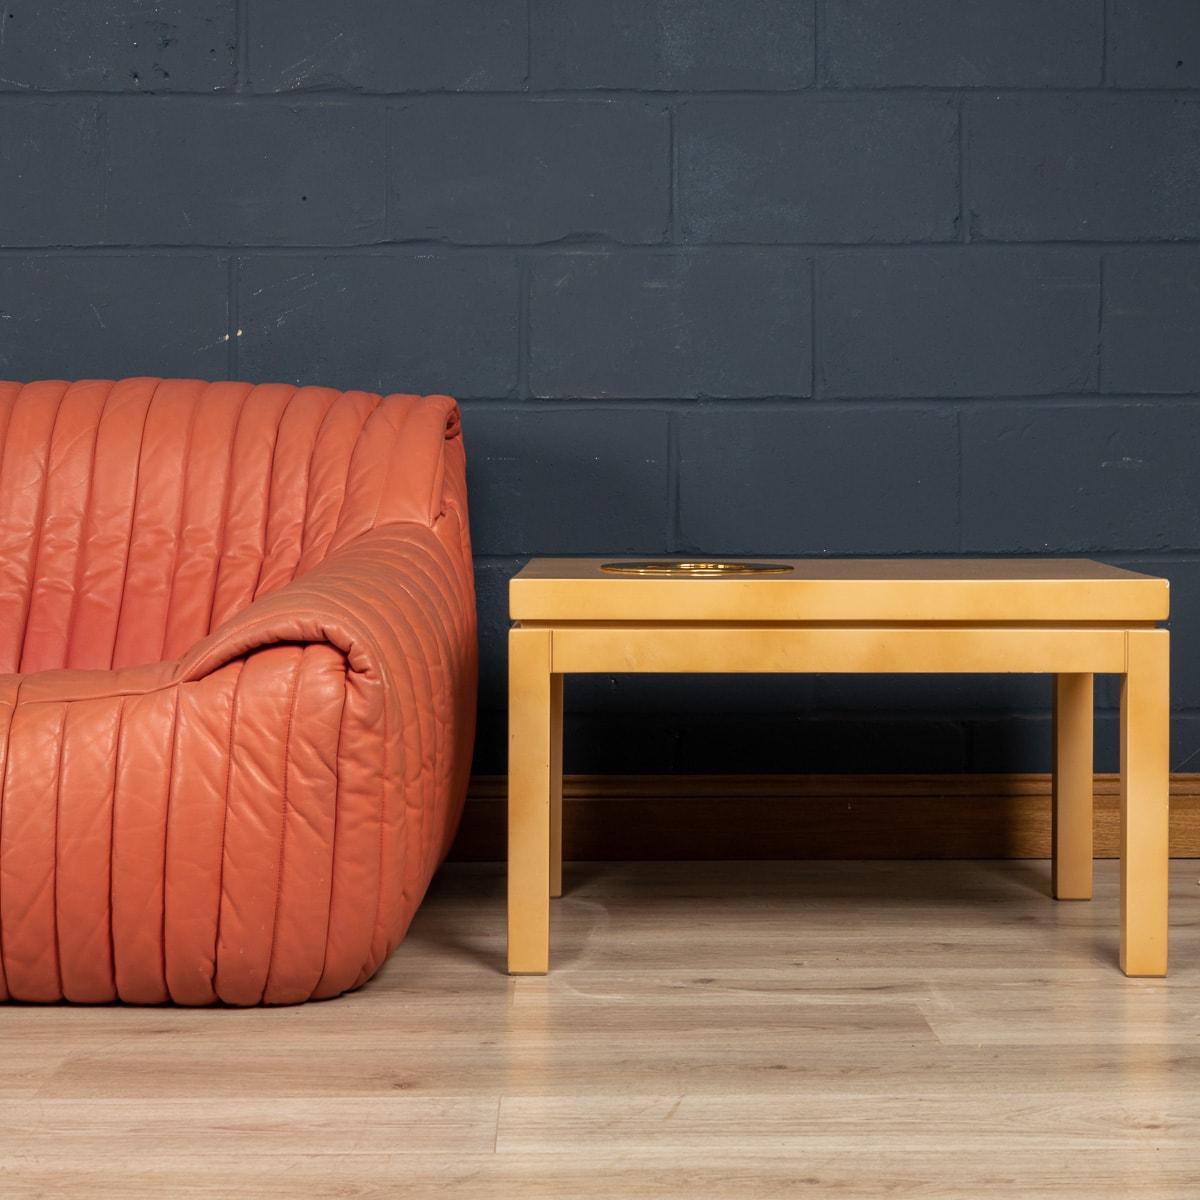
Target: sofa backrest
(138, 515)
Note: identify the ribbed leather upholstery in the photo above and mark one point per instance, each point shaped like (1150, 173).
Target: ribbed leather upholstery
(237, 685)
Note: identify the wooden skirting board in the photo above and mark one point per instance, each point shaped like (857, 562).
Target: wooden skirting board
(630, 817)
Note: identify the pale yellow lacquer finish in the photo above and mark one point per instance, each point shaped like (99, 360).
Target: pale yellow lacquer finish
(1145, 781)
(1074, 765)
(532, 786)
(1068, 618)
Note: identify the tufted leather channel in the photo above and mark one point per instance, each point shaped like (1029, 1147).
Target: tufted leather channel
(237, 685)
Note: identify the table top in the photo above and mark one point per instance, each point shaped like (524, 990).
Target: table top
(986, 590)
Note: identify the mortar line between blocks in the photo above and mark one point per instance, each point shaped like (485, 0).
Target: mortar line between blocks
(242, 57)
(672, 175)
(964, 220)
(959, 473)
(674, 522)
(1105, 18)
(387, 172)
(818, 30)
(234, 319)
(813, 373)
(523, 288)
(528, 45)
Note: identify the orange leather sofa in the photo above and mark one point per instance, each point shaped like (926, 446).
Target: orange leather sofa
(237, 685)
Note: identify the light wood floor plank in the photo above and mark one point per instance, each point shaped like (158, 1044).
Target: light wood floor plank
(79, 1132)
(895, 1119)
(1038, 1175)
(915, 1030)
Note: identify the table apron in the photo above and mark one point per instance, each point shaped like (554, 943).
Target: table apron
(838, 650)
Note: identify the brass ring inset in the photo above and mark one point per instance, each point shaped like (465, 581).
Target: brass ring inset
(694, 570)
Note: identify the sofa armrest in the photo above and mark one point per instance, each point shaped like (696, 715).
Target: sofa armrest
(256, 821)
(397, 604)
(369, 600)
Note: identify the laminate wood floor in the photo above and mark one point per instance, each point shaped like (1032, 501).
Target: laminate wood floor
(932, 1030)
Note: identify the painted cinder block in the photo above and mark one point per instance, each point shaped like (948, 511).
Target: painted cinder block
(1087, 167)
(51, 172)
(818, 479)
(373, 46)
(567, 480)
(105, 316)
(678, 323)
(118, 45)
(392, 322)
(957, 322)
(515, 170)
(1089, 479)
(1154, 43)
(191, 172)
(1150, 339)
(665, 45)
(962, 43)
(818, 169)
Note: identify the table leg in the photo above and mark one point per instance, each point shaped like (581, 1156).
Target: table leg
(1071, 817)
(556, 785)
(1145, 781)
(530, 721)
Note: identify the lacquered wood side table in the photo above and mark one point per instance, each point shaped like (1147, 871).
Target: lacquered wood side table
(1069, 618)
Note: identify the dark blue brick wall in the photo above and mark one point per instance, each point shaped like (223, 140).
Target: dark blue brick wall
(710, 276)
(808, 168)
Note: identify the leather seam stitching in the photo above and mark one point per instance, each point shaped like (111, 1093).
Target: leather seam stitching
(293, 702)
(62, 738)
(226, 492)
(167, 838)
(233, 710)
(112, 845)
(337, 523)
(86, 518)
(333, 841)
(3, 785)
(312, 458)
(37, 546)
(179, 516)
(133, 507)
(266, 521)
